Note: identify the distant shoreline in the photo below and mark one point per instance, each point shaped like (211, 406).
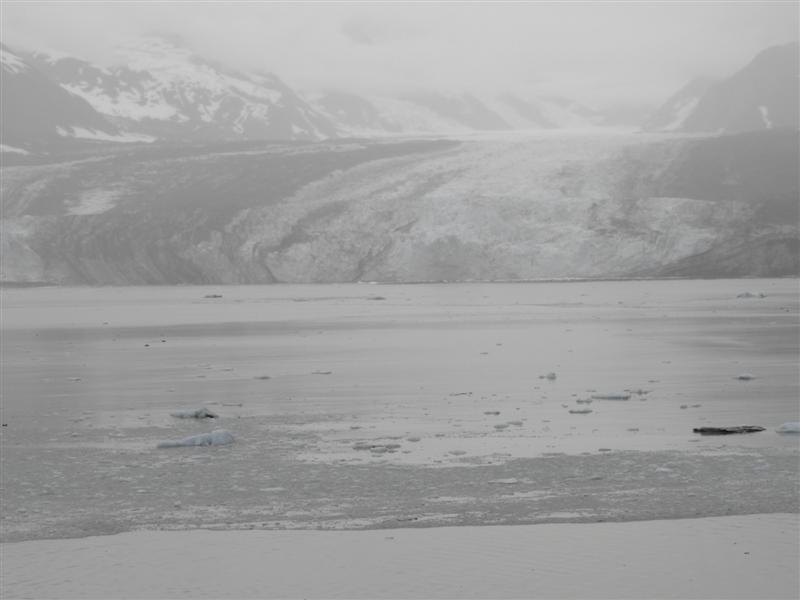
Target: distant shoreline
(38, 284)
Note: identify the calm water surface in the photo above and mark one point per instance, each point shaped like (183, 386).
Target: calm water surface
(445, 382)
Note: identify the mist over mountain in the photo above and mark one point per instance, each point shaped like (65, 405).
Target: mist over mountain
(162, 91)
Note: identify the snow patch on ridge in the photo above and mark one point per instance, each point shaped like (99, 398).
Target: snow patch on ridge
(765, 116)
(94, 202)
(11, 62)
(101, 136)
(682, 112)
(5, 148)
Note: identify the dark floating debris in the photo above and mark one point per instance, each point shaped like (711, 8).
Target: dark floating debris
(745, 377)
(624, 396)
(377, 448)
(728, 430)
(262, 377)
(213, 296)
(322, 372)
(751, 295)
(550, 376)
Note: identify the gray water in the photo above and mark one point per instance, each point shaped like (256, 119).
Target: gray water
(383, 405)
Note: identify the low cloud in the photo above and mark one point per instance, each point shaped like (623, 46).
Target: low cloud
(596, 52)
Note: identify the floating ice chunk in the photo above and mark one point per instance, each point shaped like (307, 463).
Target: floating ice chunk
(218, 437)
(790, 427)
(621, 396)
(580, 411)
(200, 413)
(745, 376)
(550, 376)
(751, 295)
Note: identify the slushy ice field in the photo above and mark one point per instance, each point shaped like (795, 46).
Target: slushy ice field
(366, 406)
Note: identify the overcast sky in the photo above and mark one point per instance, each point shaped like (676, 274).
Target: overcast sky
(598, 52)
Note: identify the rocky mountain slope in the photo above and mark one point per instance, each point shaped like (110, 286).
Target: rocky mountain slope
(542, 206)
(672, 115)
(36, 111)
(160, 90)
(762, 95)
(163, 90)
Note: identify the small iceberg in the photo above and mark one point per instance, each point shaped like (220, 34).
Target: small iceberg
(790, 427)
(218, 437)
(200, 413)
(623, 396)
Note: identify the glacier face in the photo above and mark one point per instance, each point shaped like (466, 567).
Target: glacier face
(538, 206)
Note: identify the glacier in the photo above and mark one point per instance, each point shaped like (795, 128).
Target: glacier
(594, 205)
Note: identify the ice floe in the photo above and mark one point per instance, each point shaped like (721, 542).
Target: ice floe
(790, 427)
(218, 437)
(200, 413)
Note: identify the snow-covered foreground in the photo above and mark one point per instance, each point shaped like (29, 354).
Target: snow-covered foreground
(753, 556)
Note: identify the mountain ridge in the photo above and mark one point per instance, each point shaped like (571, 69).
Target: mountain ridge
(761, 95)
(160, 90)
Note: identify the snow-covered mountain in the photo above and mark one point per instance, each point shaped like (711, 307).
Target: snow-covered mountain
(160, 90)
(37, 111)
(762, 95)
(166, 91)
(157, 89)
